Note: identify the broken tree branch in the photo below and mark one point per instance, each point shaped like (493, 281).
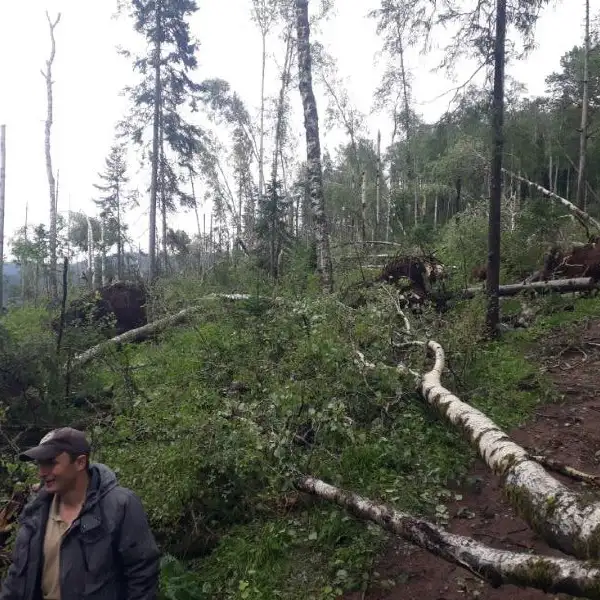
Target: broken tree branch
(497, 567)
(564, 518)
(559, 467)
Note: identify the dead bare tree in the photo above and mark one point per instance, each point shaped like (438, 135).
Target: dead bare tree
(47, 74)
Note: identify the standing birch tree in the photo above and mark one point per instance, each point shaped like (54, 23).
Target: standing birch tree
(313, 147)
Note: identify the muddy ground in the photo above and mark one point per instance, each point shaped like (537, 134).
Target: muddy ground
(568, 431)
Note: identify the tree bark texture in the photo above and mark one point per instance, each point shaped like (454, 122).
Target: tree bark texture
(313, 147)
(561, 516)
(497, 567)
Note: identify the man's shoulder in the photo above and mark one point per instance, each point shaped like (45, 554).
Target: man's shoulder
(120, 495)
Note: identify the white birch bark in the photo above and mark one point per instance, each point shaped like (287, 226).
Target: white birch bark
(363, 205)
(497, 567)
(561, 516)
(90, 257)
(580, 214)
(313, 147)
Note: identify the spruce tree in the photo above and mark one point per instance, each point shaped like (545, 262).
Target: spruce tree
(158, 121)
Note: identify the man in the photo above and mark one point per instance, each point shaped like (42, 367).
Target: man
(83, 536)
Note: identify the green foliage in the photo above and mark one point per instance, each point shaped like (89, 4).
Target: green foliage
(209, 440)
(27, 361)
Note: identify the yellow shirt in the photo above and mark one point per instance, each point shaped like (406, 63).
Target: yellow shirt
(55, 529)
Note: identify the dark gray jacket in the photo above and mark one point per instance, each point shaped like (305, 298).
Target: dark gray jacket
(109, 553)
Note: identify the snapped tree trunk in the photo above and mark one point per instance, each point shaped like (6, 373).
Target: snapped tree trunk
(494, 226)
(363, 206)
(497, 567)
(377, 187)
(261, 151)
(155, 145)
(564, 518)
(583, 134)
(285, 82)
(90, 235)
(103, 269)
(47, 74)
(313, 147)
(119, 237)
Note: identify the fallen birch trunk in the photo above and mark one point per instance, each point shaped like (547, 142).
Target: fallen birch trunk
(560, 286)
(584, 218)
(146, 331)
(580, 214)
(561, 516)
(497, 567)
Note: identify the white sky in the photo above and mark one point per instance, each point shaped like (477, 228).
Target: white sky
(89, 76)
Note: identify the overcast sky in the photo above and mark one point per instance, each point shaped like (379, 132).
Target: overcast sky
(89, 75)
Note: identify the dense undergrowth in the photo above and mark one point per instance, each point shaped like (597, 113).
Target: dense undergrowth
(204, 422)
(211, 423)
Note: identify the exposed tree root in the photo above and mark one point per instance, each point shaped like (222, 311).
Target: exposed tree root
(497, 567)
(558, 514)
(142, 333)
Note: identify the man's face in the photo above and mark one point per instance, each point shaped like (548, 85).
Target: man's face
(60, 474)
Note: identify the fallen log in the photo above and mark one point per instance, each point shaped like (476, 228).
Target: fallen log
(563, 517)
(142, 333)
(583, 217)
(497, 567)
(559, 286)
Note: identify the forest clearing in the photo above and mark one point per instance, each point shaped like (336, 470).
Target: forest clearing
(367, 371)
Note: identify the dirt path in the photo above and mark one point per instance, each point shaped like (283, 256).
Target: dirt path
(568, 431)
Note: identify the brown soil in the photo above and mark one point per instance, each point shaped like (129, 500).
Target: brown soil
(568, 431)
